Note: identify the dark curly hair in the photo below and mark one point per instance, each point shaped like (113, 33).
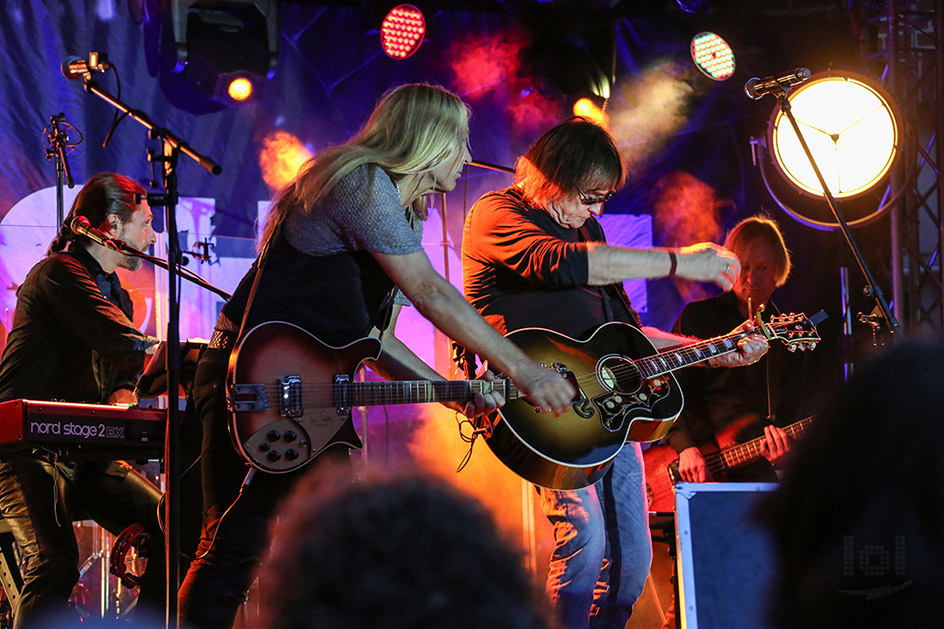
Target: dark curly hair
(403, 552)
(103, 194)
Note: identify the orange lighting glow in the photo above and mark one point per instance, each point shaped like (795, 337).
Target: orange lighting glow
(239, 89)
(280, 159)
(402, 31)
(588, 109)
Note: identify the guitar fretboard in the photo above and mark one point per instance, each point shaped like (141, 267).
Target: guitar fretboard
(746, 452)
(670, 360)
(417, 391)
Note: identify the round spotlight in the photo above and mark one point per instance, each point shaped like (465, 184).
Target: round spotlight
(713, 56)
(588, 109)
(402, 31)
(240, 89)
(853, 130)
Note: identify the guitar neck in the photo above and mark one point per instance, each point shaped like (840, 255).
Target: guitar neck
(418, 391)
(685, 355)
(742, 454)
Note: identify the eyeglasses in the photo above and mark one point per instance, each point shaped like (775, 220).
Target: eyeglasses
(588, 200)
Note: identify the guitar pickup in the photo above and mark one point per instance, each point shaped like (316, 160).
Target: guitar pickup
(247, 397)
(290, 396)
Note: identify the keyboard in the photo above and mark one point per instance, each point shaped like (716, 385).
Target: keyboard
(82, 430)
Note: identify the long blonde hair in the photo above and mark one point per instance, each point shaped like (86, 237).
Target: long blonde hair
(412, 129)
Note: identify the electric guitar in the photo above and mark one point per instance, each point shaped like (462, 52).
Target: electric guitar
(291, 395)
(662, 462)
(626, 392)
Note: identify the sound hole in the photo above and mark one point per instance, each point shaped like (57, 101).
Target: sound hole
(618, 374)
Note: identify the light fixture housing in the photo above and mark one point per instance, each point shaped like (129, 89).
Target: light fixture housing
(203, 47)
(713, 56)
(402, 31)
(854, 131)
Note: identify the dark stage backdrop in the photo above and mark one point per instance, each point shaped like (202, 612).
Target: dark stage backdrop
(686, 140)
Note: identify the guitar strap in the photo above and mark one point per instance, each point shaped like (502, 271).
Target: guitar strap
(385, 313)
(614, 292)
(255, 281)
(771, 391)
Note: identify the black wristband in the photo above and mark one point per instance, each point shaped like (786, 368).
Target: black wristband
(673, 263)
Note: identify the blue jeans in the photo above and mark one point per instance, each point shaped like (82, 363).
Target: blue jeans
(603, 548)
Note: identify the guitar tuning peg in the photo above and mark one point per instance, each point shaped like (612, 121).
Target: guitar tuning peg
(792, 347)
(812, 344)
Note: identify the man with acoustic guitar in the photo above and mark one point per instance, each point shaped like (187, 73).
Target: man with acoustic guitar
(534, 255)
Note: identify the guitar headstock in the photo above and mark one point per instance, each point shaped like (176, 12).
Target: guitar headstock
(796, 331)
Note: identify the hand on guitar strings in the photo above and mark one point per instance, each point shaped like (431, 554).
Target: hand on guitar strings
(692, 466)
(776, 446)
(483, 404)
(708, 262)
(546, 389)
(750, 349)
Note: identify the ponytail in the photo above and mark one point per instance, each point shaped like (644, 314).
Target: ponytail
(103, 194)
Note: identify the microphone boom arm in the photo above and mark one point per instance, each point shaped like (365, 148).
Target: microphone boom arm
(185, 273)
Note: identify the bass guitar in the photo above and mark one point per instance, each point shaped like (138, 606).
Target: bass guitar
(291, 395)
(662, 462)
(626, 392)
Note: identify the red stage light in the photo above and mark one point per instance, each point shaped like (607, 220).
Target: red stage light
(402, 31)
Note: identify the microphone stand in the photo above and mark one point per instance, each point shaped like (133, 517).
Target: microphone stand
(171, 147)
(187, 274)
(57, 137)
(882, 311)
(487, 166)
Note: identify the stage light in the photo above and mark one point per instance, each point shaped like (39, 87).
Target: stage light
(588, 109)
(402, 31)
(853, 130)
(225, 49)
(240, 89)
(713, 56)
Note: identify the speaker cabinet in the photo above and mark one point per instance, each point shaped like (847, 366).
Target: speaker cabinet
(725, 559)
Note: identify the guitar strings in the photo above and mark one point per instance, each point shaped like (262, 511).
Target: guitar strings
(642, 368)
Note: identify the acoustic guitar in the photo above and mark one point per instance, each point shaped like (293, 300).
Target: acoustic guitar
(626, 392)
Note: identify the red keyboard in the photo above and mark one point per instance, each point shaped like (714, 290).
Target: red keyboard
(82, 430)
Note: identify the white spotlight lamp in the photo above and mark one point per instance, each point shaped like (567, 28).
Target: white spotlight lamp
(853, 130)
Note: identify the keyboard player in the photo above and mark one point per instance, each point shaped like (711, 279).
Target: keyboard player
(73, 339)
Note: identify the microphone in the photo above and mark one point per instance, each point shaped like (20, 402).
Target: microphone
(81, 226)
(75, 68)
(758, 88)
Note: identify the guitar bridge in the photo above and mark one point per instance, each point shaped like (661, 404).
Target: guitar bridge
(247, 397)
(290, 397)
